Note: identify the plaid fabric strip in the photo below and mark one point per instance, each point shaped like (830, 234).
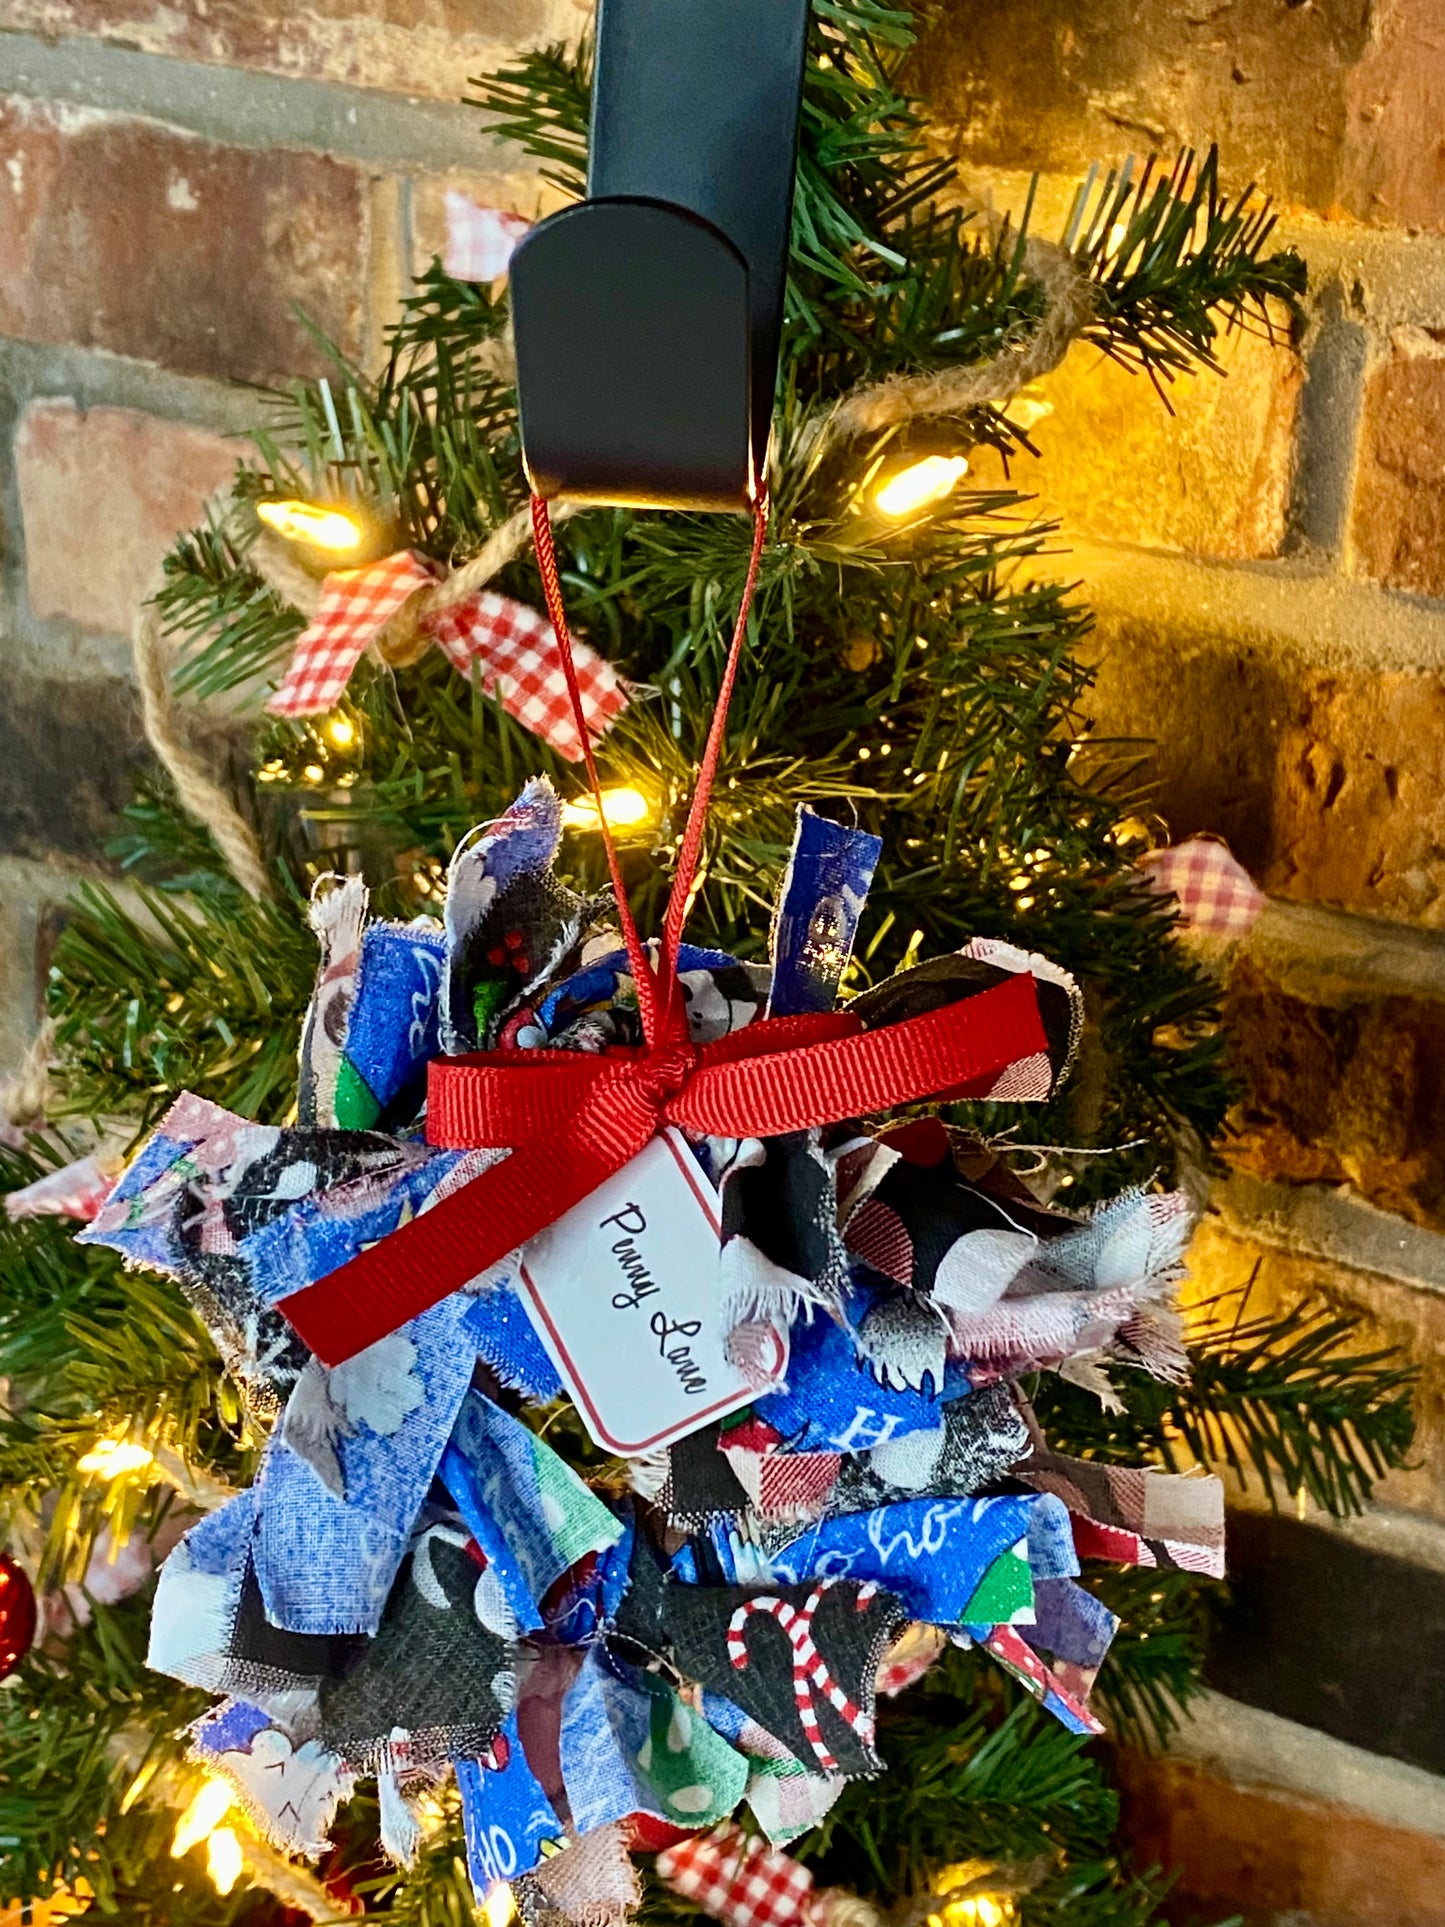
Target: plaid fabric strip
(1123, 1548)
(785, 1485)
(1216, 893)
(480, 240)
(356, 604)
(738, 1880)
(1134, 1517)
(516, 650)
(1012, 1651)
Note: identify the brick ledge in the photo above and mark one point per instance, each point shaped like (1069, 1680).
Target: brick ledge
(1255, 1749)
(1289, 608)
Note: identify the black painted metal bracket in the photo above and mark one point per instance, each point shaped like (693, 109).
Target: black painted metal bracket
(648, 317)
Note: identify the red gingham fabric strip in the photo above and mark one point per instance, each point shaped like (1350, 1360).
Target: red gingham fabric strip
(516, 650)
(480, 240)
(1216, 893)
(738, 1880)
(356, 604)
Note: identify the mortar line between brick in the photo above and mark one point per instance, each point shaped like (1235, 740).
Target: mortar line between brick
(1334, 1226)
(94, 378)
(243, 107)
(1323, 620)
(1339, 957)
(1327, 444)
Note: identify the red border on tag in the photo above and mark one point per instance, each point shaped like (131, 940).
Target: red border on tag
(708, 1199)
(704, 1193)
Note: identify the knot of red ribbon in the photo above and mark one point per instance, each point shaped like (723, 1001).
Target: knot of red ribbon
(663, 1072)
(570, 1119)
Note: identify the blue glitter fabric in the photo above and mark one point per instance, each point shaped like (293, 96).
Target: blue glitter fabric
(394, 1027)
(527, 1510)
(326, 1559)
(507, 1341)
(506, 1815)
(824, 890)
(834, 1403)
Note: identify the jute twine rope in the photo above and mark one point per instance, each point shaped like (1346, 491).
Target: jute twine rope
(840, 1909)
(401, 642)
(1068, 308)
(207, 800)
(23, 1096)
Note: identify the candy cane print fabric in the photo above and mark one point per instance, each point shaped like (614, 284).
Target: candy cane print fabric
(809, 1670)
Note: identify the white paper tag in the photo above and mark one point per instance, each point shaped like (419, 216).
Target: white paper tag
(624, 1294)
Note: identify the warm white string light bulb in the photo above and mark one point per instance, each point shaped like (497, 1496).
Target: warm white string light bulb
(970, 1909)
(201, 1818)
(204, 1821)
(499, 1905)
(225, 1861)
(112, 1458)
(623, 809)
(322, 528)
(921, 483)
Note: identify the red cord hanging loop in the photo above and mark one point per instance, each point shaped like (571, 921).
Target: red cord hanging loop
(660, 1019)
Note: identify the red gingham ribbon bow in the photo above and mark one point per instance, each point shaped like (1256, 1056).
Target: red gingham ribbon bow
(480, 239)
(1216, 894)
(739, 1880)
(515, 649)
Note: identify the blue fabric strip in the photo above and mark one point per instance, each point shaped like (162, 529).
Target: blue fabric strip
(506, 1814)
(932, 1553)
(833, 1403)
(824, 889)
(326, 1563)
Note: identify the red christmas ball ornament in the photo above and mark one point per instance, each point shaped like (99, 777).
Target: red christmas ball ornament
(18, 1616)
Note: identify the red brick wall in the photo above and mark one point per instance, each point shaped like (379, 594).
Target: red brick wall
(177, 180)
(1268, 569)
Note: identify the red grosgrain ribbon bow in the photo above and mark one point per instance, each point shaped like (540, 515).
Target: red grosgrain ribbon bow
(573, 1119)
